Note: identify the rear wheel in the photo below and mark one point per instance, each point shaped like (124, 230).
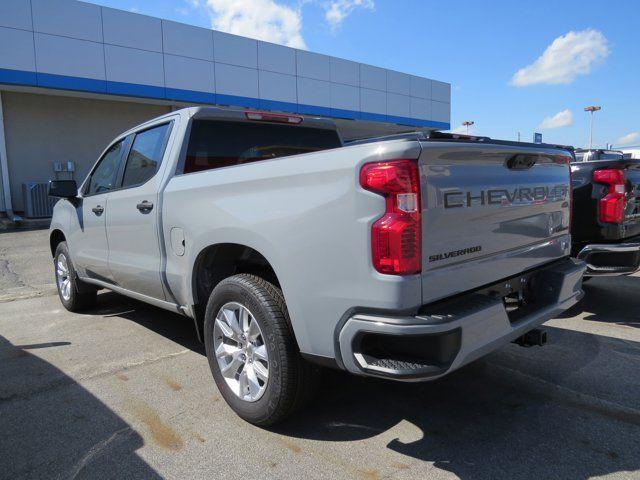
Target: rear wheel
(252, 352)
(74, 294)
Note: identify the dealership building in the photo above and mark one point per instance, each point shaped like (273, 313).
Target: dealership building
(73, 75)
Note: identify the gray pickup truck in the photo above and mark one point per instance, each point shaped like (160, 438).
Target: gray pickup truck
(404, 257)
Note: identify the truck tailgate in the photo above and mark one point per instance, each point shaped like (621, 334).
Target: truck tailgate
(490, 212)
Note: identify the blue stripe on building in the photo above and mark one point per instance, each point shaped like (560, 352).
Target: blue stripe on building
(62, 82)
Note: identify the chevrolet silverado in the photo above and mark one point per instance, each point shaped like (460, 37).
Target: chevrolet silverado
(606, 212)
(404, 257)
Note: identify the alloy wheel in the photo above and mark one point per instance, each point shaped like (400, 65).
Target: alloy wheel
(241, 351)
(63, 277)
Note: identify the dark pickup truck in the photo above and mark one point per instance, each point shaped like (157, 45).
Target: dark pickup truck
(605, 227)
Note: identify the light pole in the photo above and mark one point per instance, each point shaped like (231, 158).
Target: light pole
(591, 109)
(468, 123)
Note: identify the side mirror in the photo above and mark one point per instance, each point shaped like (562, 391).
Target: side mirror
(63, 188)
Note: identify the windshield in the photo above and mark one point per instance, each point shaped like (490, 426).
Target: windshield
(610, 156)
(589, 156)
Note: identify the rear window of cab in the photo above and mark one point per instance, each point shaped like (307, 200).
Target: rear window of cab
(215, 144)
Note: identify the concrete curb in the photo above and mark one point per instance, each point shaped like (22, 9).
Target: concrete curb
(24, 224)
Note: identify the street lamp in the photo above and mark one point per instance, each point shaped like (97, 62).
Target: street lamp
(591, 109)
(467, 123)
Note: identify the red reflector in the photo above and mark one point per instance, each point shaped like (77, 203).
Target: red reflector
(273, 117)
(613, 204)
(396, 237)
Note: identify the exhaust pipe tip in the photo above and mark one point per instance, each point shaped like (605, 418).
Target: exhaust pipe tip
(533, 338)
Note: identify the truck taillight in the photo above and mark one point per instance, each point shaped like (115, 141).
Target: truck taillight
(396, 237)
(614, 202)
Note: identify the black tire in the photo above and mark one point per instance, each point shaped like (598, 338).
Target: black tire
(80, 296)
(292, 380)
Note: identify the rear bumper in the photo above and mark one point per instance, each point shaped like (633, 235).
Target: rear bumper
(453, 333)
(610, 260)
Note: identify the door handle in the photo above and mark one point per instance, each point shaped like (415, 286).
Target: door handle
(144, 206)
(98, 210)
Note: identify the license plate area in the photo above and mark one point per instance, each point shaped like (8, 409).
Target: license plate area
(520, 295)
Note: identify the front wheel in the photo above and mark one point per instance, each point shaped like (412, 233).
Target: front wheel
(74, 294)
(252, 352)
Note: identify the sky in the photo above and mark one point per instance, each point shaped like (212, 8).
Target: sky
(514, 66)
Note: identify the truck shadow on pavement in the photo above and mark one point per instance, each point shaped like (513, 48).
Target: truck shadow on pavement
(512, 415)
(569, 410)
(176, 327)
(611, 300)
(51, 427)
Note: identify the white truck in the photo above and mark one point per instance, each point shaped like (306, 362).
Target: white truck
(403, 257)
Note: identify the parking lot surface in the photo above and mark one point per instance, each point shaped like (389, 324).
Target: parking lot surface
(124, 391)
(25, 265)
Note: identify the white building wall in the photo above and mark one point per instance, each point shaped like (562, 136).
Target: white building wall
(42, 129)
(67, 44)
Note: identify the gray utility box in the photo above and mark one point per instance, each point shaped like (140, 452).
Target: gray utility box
(37, 203)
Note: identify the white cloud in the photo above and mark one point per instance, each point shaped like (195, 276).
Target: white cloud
(262, 19)
(187, 6)
(560, 119)
(629, 138)
(568, 56)
(337, 10)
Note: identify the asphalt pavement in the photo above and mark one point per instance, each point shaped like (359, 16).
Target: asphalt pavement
(124, 391)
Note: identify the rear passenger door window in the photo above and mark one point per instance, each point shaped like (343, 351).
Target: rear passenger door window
(145, 155)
